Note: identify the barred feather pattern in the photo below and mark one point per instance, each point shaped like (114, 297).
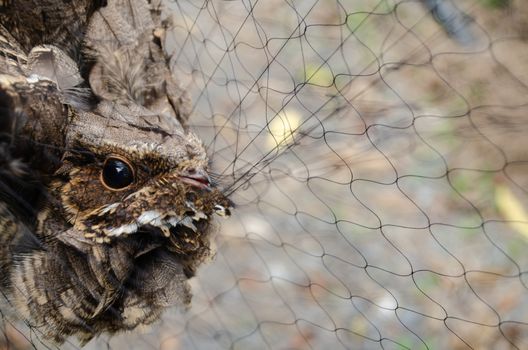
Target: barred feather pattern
(58, 22)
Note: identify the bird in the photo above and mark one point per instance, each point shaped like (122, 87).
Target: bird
(106, 201)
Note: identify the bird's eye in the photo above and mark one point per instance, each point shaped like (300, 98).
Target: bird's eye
(117, 173)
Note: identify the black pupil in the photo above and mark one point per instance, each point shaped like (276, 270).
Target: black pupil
(117, 174)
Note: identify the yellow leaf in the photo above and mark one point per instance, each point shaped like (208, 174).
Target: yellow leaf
(282, 128)
(512, 209)
(319, 75)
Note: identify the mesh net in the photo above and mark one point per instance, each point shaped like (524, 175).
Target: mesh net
(376, 154)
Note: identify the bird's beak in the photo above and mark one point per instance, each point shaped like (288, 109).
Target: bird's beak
(196, 178)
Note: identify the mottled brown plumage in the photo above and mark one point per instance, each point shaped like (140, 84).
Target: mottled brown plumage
(62, 23)
(105, 207)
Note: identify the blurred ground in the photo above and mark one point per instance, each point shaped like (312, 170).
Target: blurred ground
(380, 173)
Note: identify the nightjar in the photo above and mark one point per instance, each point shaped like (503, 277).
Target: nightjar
(105, 198)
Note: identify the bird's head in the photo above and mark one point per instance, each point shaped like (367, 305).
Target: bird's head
(133, 175)
(122, 178)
